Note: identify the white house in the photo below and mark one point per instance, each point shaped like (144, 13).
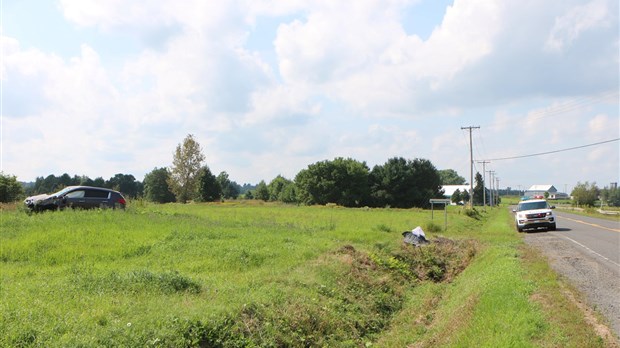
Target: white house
(448, 190)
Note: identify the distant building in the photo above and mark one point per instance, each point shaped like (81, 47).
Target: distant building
(559, 195)
(541, 190)
(448, 190)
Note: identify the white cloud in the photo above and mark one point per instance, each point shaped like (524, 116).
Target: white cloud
(569, 26)
(378, 66)
(344, 79)
(601, 124)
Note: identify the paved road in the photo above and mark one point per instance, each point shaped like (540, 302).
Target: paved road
(587, 252)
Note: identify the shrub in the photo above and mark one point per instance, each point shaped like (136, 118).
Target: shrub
(473, 213)
(432, 227)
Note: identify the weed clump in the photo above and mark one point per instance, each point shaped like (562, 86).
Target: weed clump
(135, 282)
(473, 213)
(384, 228)
(433, 227)
(439, 261)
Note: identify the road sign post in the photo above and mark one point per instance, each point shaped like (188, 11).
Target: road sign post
(445, 203)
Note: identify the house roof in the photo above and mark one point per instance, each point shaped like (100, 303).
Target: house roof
(545, 188)
(448, 190)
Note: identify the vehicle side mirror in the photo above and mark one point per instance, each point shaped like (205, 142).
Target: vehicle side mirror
(552, 207)
(514, 210)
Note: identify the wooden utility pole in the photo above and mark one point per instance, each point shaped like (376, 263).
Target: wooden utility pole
(471, 167)
(497, 189)
(492, 180)
(484, 180)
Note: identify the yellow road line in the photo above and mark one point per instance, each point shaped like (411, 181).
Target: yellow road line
(591, 224)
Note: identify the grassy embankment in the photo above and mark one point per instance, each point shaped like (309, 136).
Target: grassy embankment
(264, 275)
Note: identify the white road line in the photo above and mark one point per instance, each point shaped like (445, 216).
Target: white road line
(590, 250)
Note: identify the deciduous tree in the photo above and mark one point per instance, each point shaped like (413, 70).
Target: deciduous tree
(156, 187)
(585, 194)
(276, 186)
(450, 177)
(10, 189)
(404, 183)
(125, 183)
(341, 181)
(611, 195)
(186, 164)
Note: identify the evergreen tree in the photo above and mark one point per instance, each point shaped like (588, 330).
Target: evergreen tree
(262, 191)
(456, 196)
(478, 189)
(229, 188)
(209, 189)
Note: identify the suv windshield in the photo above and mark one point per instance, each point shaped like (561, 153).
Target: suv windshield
(532, 205)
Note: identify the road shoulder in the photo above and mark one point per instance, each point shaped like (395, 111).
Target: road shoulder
(598, 283)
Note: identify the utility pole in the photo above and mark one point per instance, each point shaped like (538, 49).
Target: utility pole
(497, 190)
(471, 167)
(491, 172)
(484, 180)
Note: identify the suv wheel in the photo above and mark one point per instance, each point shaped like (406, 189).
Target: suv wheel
(552, 227)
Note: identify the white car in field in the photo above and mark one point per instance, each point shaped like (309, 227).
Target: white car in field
(534, 213)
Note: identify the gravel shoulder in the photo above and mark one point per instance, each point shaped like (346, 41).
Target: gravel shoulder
(598, 281)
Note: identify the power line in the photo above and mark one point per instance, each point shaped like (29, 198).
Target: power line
(556, 151)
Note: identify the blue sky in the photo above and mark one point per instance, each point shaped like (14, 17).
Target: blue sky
(268, 87)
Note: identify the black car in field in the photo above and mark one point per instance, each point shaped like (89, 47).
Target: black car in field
(84, 197)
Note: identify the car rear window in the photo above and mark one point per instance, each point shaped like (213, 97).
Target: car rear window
(97, 194)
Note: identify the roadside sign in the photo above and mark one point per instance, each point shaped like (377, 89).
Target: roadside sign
(445, 203)
(439, 201)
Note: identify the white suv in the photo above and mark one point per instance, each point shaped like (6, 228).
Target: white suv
(534, 213)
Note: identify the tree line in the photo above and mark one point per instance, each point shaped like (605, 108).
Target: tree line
(399, 183)
(125, 183)
(347, 182)
(587, 193)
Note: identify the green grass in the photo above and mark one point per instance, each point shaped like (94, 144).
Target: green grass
(507, 297)
(240, 274)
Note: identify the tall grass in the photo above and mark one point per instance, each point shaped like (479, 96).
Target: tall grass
(239, 274)
(507, 297)
(170, 275)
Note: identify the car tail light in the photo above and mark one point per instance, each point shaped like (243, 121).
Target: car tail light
(122, 201)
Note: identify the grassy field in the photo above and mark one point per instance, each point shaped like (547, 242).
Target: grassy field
(248, 274)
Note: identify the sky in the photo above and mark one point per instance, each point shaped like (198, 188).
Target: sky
(269, 87)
